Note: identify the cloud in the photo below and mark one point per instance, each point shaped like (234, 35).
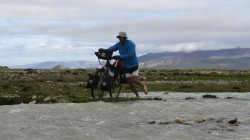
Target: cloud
(75, 29)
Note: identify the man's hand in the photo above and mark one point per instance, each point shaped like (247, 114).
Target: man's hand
(116, 57)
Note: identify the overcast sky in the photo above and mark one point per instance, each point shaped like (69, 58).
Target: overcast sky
(63, 30)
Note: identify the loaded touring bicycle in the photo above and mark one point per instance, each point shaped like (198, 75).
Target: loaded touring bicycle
(107, 80)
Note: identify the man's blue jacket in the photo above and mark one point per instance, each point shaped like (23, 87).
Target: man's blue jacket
(127, 53)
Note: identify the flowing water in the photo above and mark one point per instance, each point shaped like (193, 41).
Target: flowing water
(172, 118)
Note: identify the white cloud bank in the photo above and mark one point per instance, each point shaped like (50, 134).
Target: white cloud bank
(34, 30)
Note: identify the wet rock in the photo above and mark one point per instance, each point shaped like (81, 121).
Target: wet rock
(189, 98)
(152, 122)
(179, 121)
(165, 93)
(231, 98)
(200, 121)
(157, 98)
(188, 123)
(233, 121)
(221, 123)
(176, 121)
(209, 96)
(166, 122)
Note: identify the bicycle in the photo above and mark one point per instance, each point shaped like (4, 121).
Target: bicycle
(108, 78)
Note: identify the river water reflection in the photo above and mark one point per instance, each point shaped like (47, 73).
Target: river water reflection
(194, 119)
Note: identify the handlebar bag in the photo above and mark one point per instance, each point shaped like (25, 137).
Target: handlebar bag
(104, 54)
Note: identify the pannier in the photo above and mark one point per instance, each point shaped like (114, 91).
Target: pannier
(107, 83)
(104, 54)
(93, 81)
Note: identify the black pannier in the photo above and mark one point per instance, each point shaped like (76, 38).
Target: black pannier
(93, 81)
(107, 83)
(104, 54)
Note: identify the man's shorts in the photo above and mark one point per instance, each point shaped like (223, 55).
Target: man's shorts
(131, 72)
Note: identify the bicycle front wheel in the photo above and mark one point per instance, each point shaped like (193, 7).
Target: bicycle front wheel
(96, 91)
(117, 85)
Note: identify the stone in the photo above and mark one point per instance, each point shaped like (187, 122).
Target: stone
(233, 121)
(151, 122)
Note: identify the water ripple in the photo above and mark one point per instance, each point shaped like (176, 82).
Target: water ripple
(173, 117)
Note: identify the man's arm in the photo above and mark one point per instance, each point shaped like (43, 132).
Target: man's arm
(113, 48)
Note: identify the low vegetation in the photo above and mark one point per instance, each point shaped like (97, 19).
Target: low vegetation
(60, 86)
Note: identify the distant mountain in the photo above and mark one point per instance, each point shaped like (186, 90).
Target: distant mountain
(4, 67)
(60, 67)
(238, 58)
(66, 64)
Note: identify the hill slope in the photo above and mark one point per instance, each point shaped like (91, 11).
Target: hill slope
(238, 58)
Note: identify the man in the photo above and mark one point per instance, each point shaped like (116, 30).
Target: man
(128, 55)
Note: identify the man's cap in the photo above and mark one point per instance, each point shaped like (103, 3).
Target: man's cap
(122, 34)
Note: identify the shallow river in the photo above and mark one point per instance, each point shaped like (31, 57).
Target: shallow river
(172, 118)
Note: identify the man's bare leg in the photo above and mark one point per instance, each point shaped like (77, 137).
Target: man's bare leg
(132, 86)
(135, 79)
